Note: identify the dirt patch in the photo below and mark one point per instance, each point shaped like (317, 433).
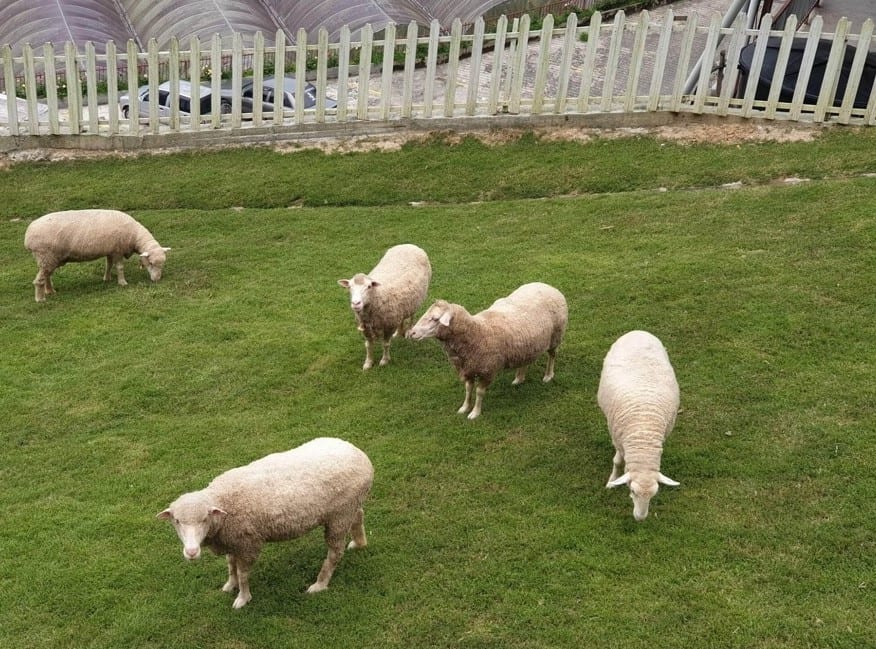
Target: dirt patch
(726, 134)
(722, 134)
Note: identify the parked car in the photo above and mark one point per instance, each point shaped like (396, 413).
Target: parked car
(186, 92)
(270, 92)
(816, 73)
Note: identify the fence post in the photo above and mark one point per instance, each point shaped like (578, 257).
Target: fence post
(236, 78)
(593, 36)
(195, 81)
(707, 59)
(519, 67)
(364, 72)
(781, 66)
(682, 62)
(74, 89)
(321, 73)
(300, 75)
(410, 65)
(91, 86)
(215, 82)
(569, 41)
(636, 56)
(617, 33)
(11, 94)
(477, 48)
(173, 78)
(431, 58)
(258, 78)
(133, 88)
(30, 92)
(498, 61)
(343, 72)
(655, 91)
(51, 88)
(279, 71)
(832, 70)
(541, 66)
(112, 87)
(452, 68)
(386, 74)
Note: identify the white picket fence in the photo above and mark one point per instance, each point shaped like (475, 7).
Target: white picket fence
(614, 65)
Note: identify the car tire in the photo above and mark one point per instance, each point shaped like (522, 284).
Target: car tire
(225, 107)
(125, 112)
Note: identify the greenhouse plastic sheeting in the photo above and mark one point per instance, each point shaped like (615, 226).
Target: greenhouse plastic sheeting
(58, 21)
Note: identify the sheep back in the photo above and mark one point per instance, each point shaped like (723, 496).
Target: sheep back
(402, 275)
(515, 330)
(639, 394)
(84, 235)
(283, 495)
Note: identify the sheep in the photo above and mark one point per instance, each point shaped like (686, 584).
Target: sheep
(83, 235)
(512, 333)
(279, 497)
(388, 296)
(639, 395)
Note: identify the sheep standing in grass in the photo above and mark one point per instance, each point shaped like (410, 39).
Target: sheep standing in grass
(512, 333)
(84, 235)
(279, 497)
(388, 296)
(639, 395)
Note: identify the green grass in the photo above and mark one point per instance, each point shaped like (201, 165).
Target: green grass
(492, 533)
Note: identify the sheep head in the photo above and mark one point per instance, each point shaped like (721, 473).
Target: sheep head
(153, 261)
(643, 488)
(193, 516)
(360, 287)
(439, 315)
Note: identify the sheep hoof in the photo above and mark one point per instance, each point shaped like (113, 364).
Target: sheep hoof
(547, 378)
(473, 414)
(517, 381)
(368, 365)
(229, 587)
(384, 361)
(241, 601)
(352, 545)
(316, 588)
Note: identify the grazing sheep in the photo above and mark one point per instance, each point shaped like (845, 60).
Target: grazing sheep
(388, 296)
(512, 333)
(639, 395)
(84, 235)
(279, 497)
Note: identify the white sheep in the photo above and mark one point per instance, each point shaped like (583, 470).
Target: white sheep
(84, 235)
(639, 395)
(512, 333)
(388, 296)
(279, 497)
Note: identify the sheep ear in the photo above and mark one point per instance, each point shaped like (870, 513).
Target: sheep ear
(344, 282)
(215, 511)
(669, 482)
(445, 318)
(165, 515)
(624, 479)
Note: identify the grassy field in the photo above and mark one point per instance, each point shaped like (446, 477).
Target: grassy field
(492, 533)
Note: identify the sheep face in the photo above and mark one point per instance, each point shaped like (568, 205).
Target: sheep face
(437, 316)
(642, 489)
(360, 286)
(152, 261)
(193, 517)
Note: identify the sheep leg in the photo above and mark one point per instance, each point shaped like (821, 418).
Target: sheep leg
(41, 285)
(231, 584)
(483, 384)
(467, 403)
(335, 534)
(357, 530)
(119, 263)
(617, 464)
(387, 341)
(520, 375)
(369, 359)
(242, 565)
(549, 371)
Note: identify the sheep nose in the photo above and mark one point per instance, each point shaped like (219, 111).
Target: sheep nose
(192, 553)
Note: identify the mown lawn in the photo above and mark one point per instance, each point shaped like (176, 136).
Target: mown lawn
(492, 533)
